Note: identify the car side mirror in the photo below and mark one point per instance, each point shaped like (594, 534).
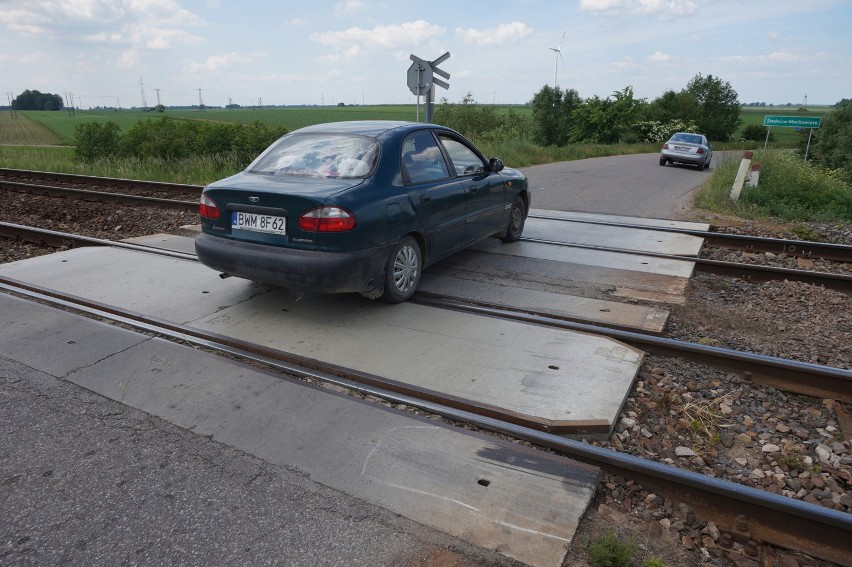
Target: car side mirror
(495, 165)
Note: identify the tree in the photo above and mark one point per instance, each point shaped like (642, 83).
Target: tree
(832, 147)
(35, 100)
(548, 119)
(718, 106)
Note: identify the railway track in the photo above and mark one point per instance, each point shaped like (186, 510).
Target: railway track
(745, 514)
(745, 271)
(799, 377)
(822, 533)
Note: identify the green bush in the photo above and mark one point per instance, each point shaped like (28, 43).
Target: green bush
(756, 133)
(93, 140)
(172, 140)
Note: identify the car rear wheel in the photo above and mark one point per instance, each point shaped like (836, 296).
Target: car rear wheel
(517, 217)
(663, 161)
(701, 166)
(707, 164)
(402, 272)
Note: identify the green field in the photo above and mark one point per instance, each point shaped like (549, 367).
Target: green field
(291, 118)
(783, 137)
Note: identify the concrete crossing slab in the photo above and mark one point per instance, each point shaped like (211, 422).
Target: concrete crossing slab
(530, 265)
(522, 503)
(639, 240)
(531, 373)
(513, 294)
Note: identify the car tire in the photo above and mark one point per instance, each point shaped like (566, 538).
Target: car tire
(707, 164)
(701, 166)
(663, 161)
(517, 218)
(402, 271)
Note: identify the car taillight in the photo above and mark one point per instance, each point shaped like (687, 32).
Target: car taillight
(207, 208)
(699, 151)
(327, 219)
(665, 146)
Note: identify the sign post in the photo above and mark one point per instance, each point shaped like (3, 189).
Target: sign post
(422, 81)
(811, 122)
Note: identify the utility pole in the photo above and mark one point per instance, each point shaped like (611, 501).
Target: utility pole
(158, 97)
(260, 102)
(117, 104)
(142, 90)
(12, 112)
(200, 101)
(69, 103)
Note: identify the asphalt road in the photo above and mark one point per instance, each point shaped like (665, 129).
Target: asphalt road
(631, 185)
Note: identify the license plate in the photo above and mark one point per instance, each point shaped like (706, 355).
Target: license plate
(258, 223)
(683, 148)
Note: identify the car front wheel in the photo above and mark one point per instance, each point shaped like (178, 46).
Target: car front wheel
(402, 272)
(516, 221)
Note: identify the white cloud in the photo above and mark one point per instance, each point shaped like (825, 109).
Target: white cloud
(664, 7)
(503, 33)
(626, 63)
(391, 36)
(658, 57)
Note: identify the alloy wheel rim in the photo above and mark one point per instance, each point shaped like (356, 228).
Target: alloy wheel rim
(405, 269)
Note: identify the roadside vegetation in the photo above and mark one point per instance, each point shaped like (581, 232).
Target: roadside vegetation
(201, 145)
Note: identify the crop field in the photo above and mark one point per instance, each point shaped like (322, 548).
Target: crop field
(23, 131)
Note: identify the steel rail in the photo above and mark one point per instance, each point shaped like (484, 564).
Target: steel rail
(798, 248)
(747, 272)
(56, 239)
(97, 196)
(114, 181)
(744, 512)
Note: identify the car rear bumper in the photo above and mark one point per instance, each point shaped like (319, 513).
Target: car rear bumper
(303, 270)
(679, 157)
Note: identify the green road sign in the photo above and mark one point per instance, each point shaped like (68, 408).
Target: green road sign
(792, 121)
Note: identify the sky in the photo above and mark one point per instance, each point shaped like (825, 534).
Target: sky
(135, 52)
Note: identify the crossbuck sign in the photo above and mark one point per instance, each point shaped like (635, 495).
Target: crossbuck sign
(422, 80)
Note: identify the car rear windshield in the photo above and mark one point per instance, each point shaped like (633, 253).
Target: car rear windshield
(686, 138)
(335, 156)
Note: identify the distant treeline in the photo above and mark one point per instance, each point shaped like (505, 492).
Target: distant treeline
(35, 100)
(172, 139)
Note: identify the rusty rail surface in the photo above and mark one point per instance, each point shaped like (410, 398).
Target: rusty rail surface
(112, 181)
(746, 243)
(745, 514)
(97, 196)
(747, 272)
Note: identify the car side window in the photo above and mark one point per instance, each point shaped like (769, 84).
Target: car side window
(422, 159)
(464, 160)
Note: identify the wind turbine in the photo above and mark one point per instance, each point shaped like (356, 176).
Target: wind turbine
(558, 52)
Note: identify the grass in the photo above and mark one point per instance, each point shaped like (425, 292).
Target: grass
(789, 189)
(609, 551)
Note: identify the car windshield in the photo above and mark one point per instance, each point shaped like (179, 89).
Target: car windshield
(687, 138)
(319, 155)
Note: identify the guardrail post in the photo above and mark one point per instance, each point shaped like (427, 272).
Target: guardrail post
(754, 175)
(741, 175)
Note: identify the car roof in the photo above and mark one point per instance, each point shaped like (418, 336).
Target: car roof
(365, 127)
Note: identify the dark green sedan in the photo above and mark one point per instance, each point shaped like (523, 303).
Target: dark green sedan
(358, 207)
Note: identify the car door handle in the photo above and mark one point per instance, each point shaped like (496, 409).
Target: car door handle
(425, 198)
(473, 188)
